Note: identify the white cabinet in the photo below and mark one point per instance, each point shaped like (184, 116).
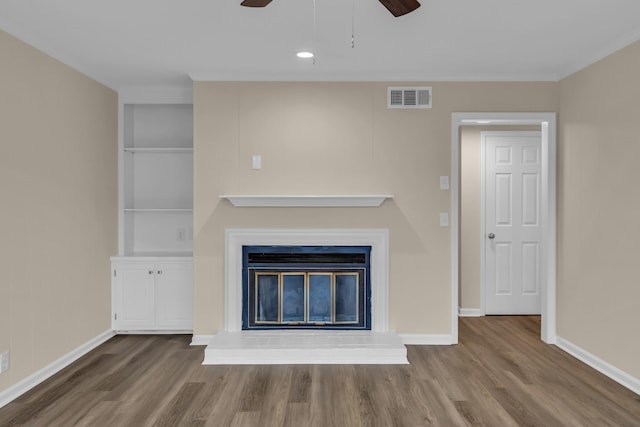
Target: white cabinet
(152, 294)
(133, 295)
(174, 295)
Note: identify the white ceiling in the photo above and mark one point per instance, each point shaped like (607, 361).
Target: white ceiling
(165, 42)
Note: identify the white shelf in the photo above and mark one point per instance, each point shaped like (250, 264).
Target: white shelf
(158, 150)
(157, 210)
(370, 200)
(154, 256)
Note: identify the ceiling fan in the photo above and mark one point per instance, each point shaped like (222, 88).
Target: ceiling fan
(396, 7)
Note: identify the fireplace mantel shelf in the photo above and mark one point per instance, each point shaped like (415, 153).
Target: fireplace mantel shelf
(307, 201)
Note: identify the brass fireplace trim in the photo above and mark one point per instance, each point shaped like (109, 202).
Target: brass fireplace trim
(306, 289)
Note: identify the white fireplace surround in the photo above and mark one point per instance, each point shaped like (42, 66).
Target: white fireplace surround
(378, 239)
(235, 346)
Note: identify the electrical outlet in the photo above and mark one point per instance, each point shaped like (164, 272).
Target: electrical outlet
(4, 361)
(182, 234)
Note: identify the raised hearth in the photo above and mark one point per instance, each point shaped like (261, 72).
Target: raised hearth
(305, 347)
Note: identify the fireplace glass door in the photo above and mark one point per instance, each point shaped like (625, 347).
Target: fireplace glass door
(294, 298)
(299, 291)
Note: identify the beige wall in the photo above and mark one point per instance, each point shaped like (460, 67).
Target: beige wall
(599, 210)
(338, 138)
(58, 190)
(470, 214)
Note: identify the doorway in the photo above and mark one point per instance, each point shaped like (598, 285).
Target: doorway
(546, 123)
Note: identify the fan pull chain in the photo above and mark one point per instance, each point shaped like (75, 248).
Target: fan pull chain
(314, 30)
(353, 24)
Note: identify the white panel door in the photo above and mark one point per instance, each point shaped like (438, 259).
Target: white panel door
(174, 295)
(512, 222)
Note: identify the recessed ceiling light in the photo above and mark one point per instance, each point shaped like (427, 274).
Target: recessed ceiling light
(304, 55)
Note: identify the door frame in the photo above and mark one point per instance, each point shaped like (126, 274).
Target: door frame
(548, 128)
(483, 207)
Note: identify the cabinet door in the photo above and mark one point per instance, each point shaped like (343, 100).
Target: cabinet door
(134, 295)
(174, 298)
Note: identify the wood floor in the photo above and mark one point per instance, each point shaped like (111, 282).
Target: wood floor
(500, 374)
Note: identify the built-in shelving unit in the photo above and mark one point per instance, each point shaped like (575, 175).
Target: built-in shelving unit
(152, 275)
(157, 179)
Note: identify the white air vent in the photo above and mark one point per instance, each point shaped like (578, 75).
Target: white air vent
(409, 97)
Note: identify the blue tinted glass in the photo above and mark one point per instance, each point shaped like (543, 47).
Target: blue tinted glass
(346, 298)
(319, 298)
(293, 298)
(267, 299)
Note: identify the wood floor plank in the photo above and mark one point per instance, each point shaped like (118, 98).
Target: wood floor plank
(175, 411)
(102, 413)
(500, 374)
(365, 385)
(330, 408)
(247, 419)
(276, 400)
(224, 408)
(300, 383)
(202, 404)
(298, 414)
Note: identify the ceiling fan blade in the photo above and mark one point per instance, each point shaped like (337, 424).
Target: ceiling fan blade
(400, 7)
(255, 3)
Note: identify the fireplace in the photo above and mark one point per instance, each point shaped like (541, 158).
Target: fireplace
(333, 336)
(376, 239)
(306, 287)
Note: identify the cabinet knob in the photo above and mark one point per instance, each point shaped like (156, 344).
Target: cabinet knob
(150, 271)
(159, 271)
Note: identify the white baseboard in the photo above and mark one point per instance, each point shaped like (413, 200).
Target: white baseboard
(469, 312)
(600, 365)
(153, 332)
(37, 377)
(426, 339)
(201, 339)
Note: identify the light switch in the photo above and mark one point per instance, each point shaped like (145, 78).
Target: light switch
(444, 182)
(256, 161)
(444, 219)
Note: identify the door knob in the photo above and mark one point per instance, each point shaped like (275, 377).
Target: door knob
(491, 236)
